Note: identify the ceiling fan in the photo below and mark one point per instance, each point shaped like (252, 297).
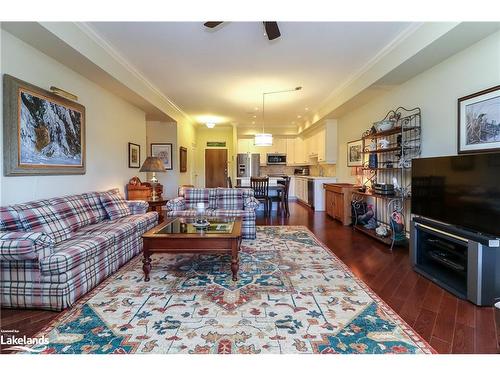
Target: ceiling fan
(272, 29)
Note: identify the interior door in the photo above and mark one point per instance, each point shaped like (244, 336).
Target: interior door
(215, 168)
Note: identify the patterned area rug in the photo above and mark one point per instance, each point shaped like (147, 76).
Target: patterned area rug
(293, 296)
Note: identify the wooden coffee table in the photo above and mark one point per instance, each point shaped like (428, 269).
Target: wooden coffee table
(178, 235)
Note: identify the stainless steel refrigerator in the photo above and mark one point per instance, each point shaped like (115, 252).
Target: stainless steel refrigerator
(248, 165)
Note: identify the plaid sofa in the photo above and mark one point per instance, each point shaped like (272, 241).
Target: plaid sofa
(222, 202)
(53, 251)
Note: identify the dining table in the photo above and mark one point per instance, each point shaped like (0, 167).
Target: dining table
(279, 189)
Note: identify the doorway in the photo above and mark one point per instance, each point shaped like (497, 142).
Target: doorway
(215, 168)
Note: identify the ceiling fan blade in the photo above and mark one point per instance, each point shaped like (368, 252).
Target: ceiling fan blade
(272, 30)
(212, 24)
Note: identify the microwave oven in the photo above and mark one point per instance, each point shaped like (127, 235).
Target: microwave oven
(276, 159)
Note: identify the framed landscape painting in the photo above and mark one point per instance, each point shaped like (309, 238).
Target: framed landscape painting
(355, 153)
(44, 134)
(479, 121)
(164, 152)
(134, 155)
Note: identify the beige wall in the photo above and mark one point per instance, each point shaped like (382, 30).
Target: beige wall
(436, 92)
(186, 137)
(165, 132)
(110, 124)
(204, 135)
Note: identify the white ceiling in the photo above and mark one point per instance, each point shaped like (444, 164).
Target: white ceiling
(222, 73)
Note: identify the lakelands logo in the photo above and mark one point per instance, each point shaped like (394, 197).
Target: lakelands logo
(23, 343)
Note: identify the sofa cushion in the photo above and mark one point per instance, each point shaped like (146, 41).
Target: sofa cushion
(75, 209)
(226, 213)
(74, 252)
(229, 199)
(180, 213)
(9, 219)
(114, 204)
(176, 204)
(193, 196)
(115, 229)
(143, 222)
(24, 245)
(46, 219)
(93, 199)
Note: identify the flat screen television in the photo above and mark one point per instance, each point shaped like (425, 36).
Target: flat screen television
(460, 190)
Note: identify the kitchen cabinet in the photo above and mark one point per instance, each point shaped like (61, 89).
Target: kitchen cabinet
(317, 145)
(300, 157)
(290, 151)
(338, 201)
(301, 189)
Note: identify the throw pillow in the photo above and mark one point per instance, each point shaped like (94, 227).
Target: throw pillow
(9, 219)
(229, 199)
(75, 209)
(115, 206)
(47, 220)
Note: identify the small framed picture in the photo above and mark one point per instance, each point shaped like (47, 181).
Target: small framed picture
(164, 152)
(355, 153)
(183, 159)
(134, 155)
(479, 121)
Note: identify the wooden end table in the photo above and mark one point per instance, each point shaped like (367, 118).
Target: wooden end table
(178, 235)
(157, 205)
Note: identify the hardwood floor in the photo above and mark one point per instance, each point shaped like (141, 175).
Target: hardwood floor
(450, 325)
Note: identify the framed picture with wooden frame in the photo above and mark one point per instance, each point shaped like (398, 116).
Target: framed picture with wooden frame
(355, 153)
(183, 159)
(44, 134)
(164, 152)
(479, 121)
(134, 155)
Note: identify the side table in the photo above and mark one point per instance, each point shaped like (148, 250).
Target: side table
(157, 205)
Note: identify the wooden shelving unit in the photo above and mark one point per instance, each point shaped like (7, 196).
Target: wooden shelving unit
(404, 141)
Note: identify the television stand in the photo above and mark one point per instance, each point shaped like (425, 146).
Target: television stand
(463, 262)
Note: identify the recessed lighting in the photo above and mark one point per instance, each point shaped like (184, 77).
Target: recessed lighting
(254, 116)
(253, 122)
(299, 116)
(307, 108)
(256, 109)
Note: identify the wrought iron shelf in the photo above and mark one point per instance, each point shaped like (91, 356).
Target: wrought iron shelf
(371, 232)
(381, 196)
(385, 133)
(385, 150)
(384, 169)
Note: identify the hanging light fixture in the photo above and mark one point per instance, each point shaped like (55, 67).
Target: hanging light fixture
(266, 139)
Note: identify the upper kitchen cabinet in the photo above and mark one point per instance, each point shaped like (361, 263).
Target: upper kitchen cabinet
(290, 151)
(321, 143)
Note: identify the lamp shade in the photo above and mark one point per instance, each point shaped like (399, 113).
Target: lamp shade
(152, 164)
(263, 139)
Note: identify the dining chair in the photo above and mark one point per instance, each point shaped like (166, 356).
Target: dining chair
(282, 197)
(229, 182)
(260, 186)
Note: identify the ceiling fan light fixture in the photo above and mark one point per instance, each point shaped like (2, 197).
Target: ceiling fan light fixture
(263, 139)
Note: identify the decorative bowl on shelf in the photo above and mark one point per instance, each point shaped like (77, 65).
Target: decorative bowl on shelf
(384, 125)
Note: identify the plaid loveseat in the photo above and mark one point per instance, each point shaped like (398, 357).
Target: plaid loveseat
(53, 251)
(221, 202)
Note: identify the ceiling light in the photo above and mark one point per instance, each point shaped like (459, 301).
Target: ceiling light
(210, 125)
(254, 116)
(263, 139)
(299, 116)
(266, 139)
(307, 108)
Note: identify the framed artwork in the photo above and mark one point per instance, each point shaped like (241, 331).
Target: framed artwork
(134, 155)
(355, 153)
(164, 152)
(183, 159)
(479, 121)
(44, 134)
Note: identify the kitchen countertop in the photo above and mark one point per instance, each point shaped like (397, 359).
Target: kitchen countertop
(317, 177)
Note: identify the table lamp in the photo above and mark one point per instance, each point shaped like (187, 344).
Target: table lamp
(153, 164)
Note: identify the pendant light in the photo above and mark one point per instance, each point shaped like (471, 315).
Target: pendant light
(266, 139)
